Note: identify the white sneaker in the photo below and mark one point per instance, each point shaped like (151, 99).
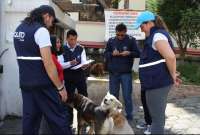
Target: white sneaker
(148, 130)
(141, 126)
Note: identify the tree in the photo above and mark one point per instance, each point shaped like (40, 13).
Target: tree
(183, 20)
(152, 5)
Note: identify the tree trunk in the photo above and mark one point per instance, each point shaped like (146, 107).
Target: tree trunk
(182, 55)
(181, 47)
(103, 3)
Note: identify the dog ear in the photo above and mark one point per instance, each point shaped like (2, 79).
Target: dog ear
(108, 93)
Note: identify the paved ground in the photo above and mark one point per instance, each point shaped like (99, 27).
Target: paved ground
(182, 116)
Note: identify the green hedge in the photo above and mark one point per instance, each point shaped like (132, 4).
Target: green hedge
(190, 73)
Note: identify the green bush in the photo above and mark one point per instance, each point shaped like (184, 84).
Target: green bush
(190, 73)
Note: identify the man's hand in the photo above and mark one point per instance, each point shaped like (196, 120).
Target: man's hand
(125, 53)
(73, 62)
(115, 53)
(63, 95)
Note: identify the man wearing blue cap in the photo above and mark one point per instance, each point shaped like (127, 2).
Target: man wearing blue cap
(42, 90)
(157, 68)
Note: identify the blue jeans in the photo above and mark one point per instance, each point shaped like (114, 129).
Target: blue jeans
(125, 79)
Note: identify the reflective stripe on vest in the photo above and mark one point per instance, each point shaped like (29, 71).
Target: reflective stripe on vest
(28, 58)
(152, 63)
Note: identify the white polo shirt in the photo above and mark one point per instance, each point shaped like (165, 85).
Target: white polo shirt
(158, 37)
(42, 37)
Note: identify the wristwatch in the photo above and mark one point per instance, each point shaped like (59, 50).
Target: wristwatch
(61, 88)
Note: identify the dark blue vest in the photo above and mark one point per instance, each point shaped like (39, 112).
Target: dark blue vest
(157, 75)
(121, 64)
(31, 69)
(71, 55)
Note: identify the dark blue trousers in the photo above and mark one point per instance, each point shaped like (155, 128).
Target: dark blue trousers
(44, 102)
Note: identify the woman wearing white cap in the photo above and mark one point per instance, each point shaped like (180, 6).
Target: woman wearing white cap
(157, 69)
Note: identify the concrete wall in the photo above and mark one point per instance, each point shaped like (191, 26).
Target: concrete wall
(137, 4)
(11, 13)
(75, 1)
(10, 95)
(74, 16)
(133, 4)
(91, 31)
(1, 3)
(62, 17)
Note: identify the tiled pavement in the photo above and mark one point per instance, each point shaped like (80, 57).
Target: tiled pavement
(182, 113)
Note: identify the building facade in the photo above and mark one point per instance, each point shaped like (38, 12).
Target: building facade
(11, 13)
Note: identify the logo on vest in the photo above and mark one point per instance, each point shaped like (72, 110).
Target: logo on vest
(78, 56)
(19, 35)
(125, 48)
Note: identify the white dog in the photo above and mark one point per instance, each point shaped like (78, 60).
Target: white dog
(116, 123)
(112, 104)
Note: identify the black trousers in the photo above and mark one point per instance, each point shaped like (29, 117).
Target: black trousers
(147, 116)
(46, 103)
(75, 81)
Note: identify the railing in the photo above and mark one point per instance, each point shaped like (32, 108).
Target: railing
(190, 51)
(88, 44)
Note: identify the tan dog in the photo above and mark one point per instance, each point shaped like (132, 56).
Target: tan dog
(121, 125)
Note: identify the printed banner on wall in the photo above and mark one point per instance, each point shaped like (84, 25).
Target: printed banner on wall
(128, 17)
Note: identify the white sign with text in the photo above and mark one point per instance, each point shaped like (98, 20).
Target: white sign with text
(128, 17)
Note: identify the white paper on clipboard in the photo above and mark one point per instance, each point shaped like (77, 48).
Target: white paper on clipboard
(80, 65)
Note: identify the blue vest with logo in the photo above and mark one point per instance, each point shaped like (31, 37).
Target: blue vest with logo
(153, 71)
(71, 55)
(32, 72)
(121, 64)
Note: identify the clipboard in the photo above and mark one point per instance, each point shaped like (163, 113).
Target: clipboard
(80, 65)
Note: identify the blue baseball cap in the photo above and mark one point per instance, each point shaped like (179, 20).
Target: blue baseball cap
(144, 17)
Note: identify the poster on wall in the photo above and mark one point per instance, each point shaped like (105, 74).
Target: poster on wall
(128, 17)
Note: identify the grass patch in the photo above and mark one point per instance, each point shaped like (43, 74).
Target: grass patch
(190, 73)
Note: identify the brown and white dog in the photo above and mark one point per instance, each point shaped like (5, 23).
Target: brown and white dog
(97, 116)
(121, 125)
